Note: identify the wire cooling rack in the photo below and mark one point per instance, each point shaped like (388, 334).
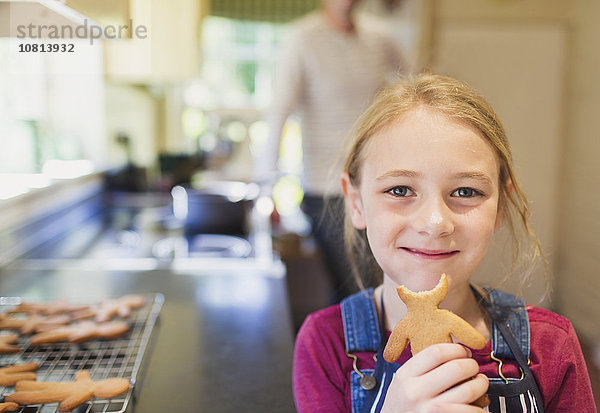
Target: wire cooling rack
(121, 357)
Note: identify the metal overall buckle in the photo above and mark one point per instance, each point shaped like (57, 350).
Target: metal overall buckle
(500, 364)
(367, 382)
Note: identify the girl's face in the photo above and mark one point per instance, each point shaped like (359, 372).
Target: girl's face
(428, 199)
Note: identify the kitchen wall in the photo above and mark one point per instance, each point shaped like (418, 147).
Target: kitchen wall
(519, 66)
(578, 282)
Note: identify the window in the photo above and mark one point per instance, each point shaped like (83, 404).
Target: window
(52, 115)
(238, 61)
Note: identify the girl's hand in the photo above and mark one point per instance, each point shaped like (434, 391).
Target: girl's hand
(441, 378)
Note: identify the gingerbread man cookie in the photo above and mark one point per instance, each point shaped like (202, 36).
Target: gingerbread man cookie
(12, 374)
(9, 407)
(57, 307)
(7, 344)
(425, 324)
(68, 394)
(108, 309)
(33, 323)
(79, 332)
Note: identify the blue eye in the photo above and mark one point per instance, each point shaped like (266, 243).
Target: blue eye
(466, 193)
(400, 191)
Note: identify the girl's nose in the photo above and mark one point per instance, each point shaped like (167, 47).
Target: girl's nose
(434, 220)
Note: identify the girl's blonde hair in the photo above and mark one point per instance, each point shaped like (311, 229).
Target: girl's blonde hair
(459, 102)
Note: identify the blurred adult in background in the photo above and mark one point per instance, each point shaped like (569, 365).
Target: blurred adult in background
(331, 65)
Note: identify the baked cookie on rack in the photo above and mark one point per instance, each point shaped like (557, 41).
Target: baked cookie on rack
(10, 375)
(50, 308)
(107, 309)
(7, 342)
(80, 332)
(9, 407)
(33, 323)
(69, 394)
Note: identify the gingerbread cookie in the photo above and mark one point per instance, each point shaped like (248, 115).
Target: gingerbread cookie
(108, 309)
(79, 332)
(57, 307)
(12, 374)
(6, 344)
(33, 323)
(425, 324)
(68, 394)
(9, 407)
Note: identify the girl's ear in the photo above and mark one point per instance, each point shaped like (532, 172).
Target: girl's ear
(508, 188)
(353, 202)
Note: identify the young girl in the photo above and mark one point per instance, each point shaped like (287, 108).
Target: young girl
(427, 180)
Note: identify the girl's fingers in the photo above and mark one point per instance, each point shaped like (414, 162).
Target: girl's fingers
(442, 375)
(466, 392)
(454, 408)
(449, 375)
(432, 357)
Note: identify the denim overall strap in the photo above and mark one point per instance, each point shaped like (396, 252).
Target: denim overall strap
(530, 398)
(510, 339)
(509, 310)
(361, 334)
(361, 327)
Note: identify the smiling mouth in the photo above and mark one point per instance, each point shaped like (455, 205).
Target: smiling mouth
(430, 254)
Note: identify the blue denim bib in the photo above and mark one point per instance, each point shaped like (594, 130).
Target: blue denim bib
(509, 337)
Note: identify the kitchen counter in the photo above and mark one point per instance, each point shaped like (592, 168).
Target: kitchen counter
(223, 341)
